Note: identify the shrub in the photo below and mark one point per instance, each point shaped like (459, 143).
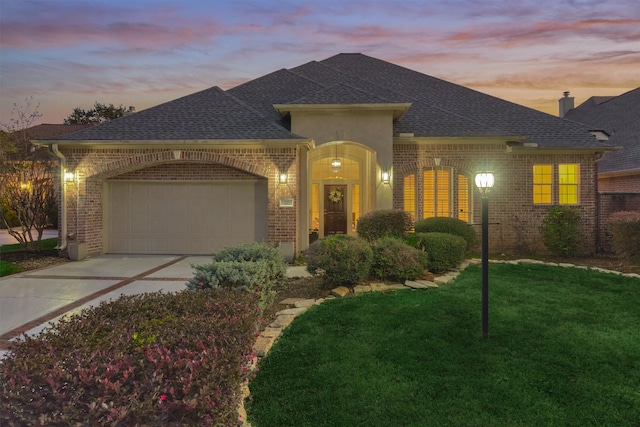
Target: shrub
(444, 251)
(148, 359)
(394, 259)
(384, 223)
(256, 267)
(339, 259)
(561, 231)
(447, 225)
(625, 229)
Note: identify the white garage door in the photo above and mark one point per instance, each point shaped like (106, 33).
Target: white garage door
(183, 218)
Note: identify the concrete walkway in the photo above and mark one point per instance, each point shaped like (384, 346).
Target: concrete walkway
(30, 300)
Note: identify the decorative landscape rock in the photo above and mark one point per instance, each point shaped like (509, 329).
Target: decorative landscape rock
(340, 291)
(361, 289)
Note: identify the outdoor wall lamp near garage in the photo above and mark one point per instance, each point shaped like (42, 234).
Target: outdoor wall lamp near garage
(69, 176)
(484, 182)
(386, 177)
(283, 178)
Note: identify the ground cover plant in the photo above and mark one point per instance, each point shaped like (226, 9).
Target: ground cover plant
(148, 359)
(563, 350)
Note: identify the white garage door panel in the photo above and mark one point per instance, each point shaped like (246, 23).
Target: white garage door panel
(184, 218)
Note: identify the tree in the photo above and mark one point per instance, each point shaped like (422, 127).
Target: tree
(26, 179)
(99, 114)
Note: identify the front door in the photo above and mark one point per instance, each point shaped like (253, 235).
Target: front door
(335, 209)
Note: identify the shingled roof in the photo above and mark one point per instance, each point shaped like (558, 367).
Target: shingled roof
(437, 108)
(619, 116)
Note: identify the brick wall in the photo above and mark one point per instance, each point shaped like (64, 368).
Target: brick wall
(95, 166)
(514, 219)
(620, 184)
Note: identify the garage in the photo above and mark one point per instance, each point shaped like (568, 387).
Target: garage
(183, 217)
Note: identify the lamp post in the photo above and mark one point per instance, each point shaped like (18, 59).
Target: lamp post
(484, 182)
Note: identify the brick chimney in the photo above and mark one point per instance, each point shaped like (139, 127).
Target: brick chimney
(565, 103)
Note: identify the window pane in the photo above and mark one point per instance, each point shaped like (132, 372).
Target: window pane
(463, 198)
(568, 177)
(542, 184)
(429, 195)
(315, 207)
(443, 195)
(410, 195)
(355, 206)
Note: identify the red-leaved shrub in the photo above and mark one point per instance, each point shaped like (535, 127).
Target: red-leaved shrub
(625, 229)
(149, 359)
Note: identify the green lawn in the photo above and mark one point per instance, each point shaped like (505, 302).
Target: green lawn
(47, 244)
(564, 350)
(8, 268)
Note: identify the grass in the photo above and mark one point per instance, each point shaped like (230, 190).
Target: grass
(9, 268)
(564, 349)
(47, 244)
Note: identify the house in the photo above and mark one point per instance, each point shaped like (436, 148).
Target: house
(308, 150)
(618, 172)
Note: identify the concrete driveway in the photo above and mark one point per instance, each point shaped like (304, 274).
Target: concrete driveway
(30, 300)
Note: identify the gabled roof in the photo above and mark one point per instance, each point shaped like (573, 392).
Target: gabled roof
(619, 116)
(211, 114)
(436, 108)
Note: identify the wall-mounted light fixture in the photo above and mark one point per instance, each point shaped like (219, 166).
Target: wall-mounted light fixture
(386, 177)
(69, 176)
(436, 161)
(283, 178)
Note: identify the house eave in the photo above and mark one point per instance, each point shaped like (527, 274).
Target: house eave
(427, 140)
(179, 143)
(398, 109)
(620, 173)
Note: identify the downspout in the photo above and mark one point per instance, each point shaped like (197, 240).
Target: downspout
(62, 244)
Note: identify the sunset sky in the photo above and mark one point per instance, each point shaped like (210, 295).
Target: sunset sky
(68, 54)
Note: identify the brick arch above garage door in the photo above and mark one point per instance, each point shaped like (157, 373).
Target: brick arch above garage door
(106, 170)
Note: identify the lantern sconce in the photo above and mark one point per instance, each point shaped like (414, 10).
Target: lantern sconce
(69, 176)
(283, 178)
(484, 182)
(386, 177)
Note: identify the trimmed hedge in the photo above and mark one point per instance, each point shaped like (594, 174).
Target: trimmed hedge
(625, 229)
(339, 259)
(149, 359)
(453, 226)
(384, 223)
(444, 251)
(394, 259)
(256, 267)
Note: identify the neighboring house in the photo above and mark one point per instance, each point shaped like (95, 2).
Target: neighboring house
(618, 172)
(309, 150)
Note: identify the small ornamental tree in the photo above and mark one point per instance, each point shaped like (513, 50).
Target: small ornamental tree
(26, 180)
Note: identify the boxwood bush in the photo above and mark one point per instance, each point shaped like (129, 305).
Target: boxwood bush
(394, 259)
(148, 359)
(625, 230)
(444, 251)
(339, 259)
(256, 267)
(561, 232)
(384, 223)
(450, 226)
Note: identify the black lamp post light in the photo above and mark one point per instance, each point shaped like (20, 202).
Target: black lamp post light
(484, 182)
